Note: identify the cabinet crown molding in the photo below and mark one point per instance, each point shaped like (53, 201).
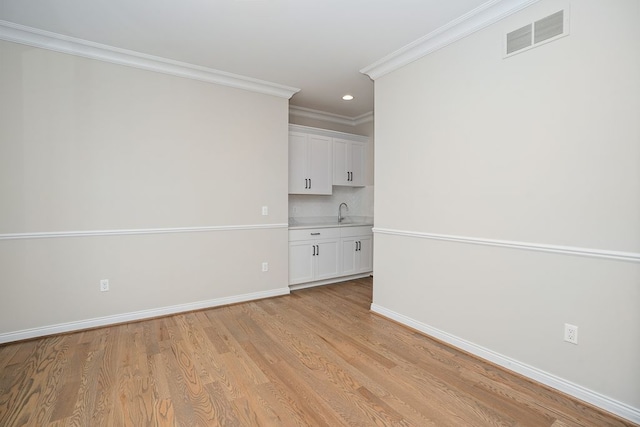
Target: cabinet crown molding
(328, 133)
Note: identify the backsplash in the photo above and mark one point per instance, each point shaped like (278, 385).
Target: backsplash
(359, 200)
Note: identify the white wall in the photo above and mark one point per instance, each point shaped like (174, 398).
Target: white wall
(92, 146)
(542, 148)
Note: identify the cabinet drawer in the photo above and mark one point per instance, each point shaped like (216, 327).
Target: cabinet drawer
(364, 230)
(314, 234)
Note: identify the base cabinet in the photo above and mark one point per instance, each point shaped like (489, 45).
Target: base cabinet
(329, 253)
(314, 259)
(356, 255)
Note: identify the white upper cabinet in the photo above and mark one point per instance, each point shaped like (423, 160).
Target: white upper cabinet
(320, 158)
(348, 162)
(310, 163)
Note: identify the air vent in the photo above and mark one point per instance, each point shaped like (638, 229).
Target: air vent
(549, 27)
(519, 39)
(542, 31)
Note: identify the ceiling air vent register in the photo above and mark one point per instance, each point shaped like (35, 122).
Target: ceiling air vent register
(540, 32)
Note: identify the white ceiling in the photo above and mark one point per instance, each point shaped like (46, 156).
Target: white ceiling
(318, 46)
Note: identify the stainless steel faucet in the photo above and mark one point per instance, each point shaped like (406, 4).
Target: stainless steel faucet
(340, 218)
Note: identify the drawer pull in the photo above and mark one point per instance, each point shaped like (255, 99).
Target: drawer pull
(315, 234)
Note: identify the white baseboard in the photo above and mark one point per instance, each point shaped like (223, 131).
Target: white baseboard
(608, 404)
(137, 315)
(299, 286)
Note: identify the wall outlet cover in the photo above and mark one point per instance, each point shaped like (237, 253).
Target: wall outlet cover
(571, 333)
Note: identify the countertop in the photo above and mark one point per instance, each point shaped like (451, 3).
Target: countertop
(299, 223)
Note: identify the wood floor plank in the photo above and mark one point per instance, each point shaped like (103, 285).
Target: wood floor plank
(317, 357)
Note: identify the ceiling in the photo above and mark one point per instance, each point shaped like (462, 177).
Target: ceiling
(318, 46)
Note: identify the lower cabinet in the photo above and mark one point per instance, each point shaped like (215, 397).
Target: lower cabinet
(356, 255)
(317, 257)
(322, 254)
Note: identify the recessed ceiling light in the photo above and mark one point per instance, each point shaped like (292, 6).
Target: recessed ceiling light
(347, 97)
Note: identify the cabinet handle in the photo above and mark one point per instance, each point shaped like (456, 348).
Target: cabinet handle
(317, 250)
(315, 234)
(358, 243)
(314, 250)
(306, 184)
(309, 183)
(351, 173)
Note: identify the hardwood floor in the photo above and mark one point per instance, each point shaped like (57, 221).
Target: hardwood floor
(316, 357)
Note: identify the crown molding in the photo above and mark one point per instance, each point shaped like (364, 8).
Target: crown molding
(467, 24)
(330, 117)
(16, 33)
(328, 132)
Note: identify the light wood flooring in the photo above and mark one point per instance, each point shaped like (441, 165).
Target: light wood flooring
(316, 357)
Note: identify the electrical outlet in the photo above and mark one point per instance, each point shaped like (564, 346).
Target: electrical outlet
(571, 333)
(265, 266)
(104, 285)
(265, 210)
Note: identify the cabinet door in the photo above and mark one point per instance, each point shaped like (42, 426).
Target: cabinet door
(327, 260)
(320, 165)
(356, 162)
(365, 254)
(348, 256)
(341, 156)
(301, 261)
(348, 163)
(298, 163)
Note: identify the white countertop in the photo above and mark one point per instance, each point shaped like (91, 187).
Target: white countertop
(296, 223)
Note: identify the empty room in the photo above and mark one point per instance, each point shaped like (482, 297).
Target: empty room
(278, 212)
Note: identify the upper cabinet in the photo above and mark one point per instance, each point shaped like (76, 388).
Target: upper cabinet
(319, 159)
(310, 163)
(348, 162)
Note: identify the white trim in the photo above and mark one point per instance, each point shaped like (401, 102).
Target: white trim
(467, 24)
(328, 133)
(330, 117)
(87, 233)
(575, 390)
(566, 250)
(136, 315)
(298, 286)
(16, 33)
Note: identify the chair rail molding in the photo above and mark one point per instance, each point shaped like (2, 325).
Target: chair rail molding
(133, 231)
(540, 247)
